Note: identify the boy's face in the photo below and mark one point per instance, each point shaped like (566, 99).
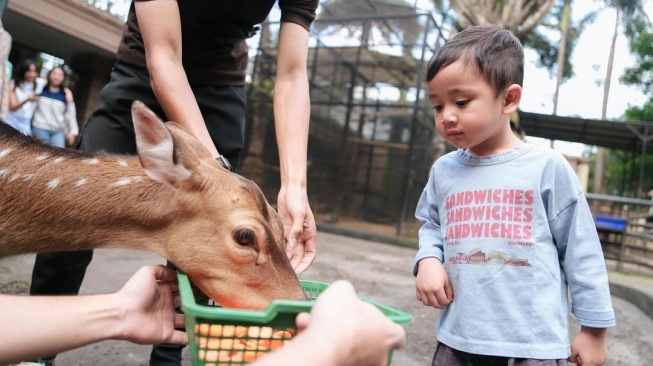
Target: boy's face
(468, 114)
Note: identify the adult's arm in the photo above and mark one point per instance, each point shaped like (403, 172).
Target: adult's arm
(291, 116)
(160, 27)
(141, 312)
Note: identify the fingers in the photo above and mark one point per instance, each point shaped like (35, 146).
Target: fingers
(448, 290)
(438, 299)
(179, 337)
(306, 262)
(301, 248)
(179, 320)
(343, 286)
(302, 320)
(399, 340)
(162, 273)
(575, 358)
(293, 239)
(176, 300)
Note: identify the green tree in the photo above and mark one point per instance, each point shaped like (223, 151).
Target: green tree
(641, 75)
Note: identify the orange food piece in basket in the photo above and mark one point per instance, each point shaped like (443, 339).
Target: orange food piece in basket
(282, 334)
(215, 330)
(235, 344)
(202, 341)
(202, 329)
(266, 332)
(213, 355)
(275, 344)
(228, 330)
(251, 356)
(241, 331)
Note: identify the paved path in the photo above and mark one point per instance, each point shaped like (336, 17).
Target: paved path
(378, 271)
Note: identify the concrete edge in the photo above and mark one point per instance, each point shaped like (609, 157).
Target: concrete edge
(381, 238)
(638, 298)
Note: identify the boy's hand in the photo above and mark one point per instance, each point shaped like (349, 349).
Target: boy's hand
(589, 347)
(432, 284)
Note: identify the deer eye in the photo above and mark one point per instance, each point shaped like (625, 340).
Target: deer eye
(244, 237)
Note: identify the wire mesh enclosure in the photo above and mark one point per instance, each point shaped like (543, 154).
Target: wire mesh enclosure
(372, 138)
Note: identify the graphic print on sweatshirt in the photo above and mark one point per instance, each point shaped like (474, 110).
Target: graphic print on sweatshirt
(503, 215)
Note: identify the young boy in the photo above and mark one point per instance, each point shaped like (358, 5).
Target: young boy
(506, 229)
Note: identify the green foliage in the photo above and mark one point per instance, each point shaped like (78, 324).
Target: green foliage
(633, 17)
(641, 75)
(643, 113)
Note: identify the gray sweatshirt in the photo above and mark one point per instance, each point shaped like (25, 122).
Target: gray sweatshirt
(515, 233)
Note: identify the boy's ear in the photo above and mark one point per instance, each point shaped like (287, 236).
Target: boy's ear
(512, 98)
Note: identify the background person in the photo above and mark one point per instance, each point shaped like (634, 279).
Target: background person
(55, 119)
(23, 95)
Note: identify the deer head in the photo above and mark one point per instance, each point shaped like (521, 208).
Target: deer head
(226, 237)
(179, 202)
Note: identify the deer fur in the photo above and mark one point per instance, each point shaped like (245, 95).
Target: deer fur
(173, 199)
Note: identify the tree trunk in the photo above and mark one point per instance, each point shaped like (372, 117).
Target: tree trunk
(600, 154)
(564, 30)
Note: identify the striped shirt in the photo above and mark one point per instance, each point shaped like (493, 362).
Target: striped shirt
(53, 114)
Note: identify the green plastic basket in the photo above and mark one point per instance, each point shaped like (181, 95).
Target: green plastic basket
(221, 337)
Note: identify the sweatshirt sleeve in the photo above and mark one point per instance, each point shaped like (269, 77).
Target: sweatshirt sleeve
(581, 256)
(71, 119)
(430, 236)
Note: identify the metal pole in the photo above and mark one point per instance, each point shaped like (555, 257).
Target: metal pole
(413, 129)
(641, 163)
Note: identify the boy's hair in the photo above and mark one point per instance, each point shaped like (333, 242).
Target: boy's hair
(495, 53)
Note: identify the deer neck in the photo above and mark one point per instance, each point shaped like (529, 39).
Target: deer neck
(53, 198)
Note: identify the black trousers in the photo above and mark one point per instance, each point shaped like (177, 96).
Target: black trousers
(110, 129)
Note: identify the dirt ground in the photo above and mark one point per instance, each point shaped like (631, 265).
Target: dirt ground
(378, 271)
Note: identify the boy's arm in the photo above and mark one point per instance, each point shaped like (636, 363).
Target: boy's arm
(432, 284)
(581, 258)
(589, 347)
(430, 235)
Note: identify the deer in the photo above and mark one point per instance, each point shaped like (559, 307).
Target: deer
(173, 199)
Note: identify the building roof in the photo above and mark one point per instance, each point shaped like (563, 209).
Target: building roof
(624, 135)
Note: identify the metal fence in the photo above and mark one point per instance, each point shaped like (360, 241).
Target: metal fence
(372, 138)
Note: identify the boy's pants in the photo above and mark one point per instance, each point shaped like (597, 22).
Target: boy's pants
(447, 356)
(110, 129)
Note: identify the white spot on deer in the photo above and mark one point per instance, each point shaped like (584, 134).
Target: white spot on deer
(137, 179)
(121, 182)
(28, 177)
(80, 182)
(121, 162)
(42, 157)
(59, 159)
(4, 153)
(53, 183)
(91, 161)
(3, 173)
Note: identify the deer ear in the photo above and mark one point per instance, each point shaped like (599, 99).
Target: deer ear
(155, 147)
(188, 149)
